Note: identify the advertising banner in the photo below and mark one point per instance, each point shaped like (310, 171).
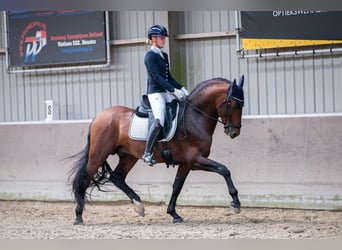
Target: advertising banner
(276, 29)
(56, 38)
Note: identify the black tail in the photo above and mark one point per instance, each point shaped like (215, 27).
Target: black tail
(78, 175)
(78, 171)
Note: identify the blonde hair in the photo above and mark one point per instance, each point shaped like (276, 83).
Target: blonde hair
(148, 42)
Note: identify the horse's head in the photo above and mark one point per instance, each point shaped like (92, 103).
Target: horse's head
(227, 99)
(231, 116)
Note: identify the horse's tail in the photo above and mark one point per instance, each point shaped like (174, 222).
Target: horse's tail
(78, 176)
(78, 172)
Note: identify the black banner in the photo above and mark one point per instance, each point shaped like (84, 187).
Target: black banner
(56, 38)
(291, 25)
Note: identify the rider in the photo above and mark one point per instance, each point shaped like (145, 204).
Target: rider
(161, 86)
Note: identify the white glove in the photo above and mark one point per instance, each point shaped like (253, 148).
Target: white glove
(185, 91)
(178, 94)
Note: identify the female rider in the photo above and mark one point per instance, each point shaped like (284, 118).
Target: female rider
(161, 86)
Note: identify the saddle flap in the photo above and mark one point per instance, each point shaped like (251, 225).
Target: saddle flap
(140, 124)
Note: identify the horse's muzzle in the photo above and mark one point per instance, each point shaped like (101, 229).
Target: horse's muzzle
(234, 134)
(232, 130)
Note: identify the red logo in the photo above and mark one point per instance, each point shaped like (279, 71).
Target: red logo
(32, 40)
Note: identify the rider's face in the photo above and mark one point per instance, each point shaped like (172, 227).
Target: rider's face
(158, 41)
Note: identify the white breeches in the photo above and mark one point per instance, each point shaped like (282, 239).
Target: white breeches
(158, 102)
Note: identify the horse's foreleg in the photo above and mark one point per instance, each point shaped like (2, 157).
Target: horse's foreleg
(213, 166)
(118, 176)
(181, 175)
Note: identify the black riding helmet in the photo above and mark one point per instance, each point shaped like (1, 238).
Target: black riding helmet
(157, 30)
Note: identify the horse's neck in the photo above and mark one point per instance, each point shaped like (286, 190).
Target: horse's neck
(202, 115)
(208, 102)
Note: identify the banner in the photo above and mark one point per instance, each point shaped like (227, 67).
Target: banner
(276, 29)
(56, 38)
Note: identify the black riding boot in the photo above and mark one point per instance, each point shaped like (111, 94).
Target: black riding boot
(152, 137)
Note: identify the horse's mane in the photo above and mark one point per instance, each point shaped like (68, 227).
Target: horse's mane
(207, 83)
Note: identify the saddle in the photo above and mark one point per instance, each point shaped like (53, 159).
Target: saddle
(143, 118)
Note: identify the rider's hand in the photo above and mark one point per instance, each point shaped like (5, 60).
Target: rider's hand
(178, 94)
(185, 91)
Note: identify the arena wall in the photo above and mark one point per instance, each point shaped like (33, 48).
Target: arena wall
(279, 161)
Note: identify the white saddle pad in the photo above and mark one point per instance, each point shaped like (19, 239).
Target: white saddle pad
(138, 128)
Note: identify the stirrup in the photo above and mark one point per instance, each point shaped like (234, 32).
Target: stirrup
(147, 158)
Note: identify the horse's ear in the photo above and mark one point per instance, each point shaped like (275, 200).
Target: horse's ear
(241, 81)
(232, 88)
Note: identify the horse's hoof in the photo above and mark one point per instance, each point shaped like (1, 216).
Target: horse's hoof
(178, 221)
(78, 222)
(236, 208)
(139, 208)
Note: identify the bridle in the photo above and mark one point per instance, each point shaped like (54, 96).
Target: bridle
(226, 123)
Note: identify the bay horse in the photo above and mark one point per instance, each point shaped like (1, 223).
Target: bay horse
(211, 101)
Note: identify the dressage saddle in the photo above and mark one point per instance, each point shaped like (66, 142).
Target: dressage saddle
(145, 111)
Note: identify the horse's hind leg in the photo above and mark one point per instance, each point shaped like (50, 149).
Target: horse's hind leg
(118, 176)
(80, 184)
(80, 199)
(181, 175)
(87, 167)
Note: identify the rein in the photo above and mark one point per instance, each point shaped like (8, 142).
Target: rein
(226, 123)
(203, 113)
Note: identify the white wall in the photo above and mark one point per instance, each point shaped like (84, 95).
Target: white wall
(275, 162)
